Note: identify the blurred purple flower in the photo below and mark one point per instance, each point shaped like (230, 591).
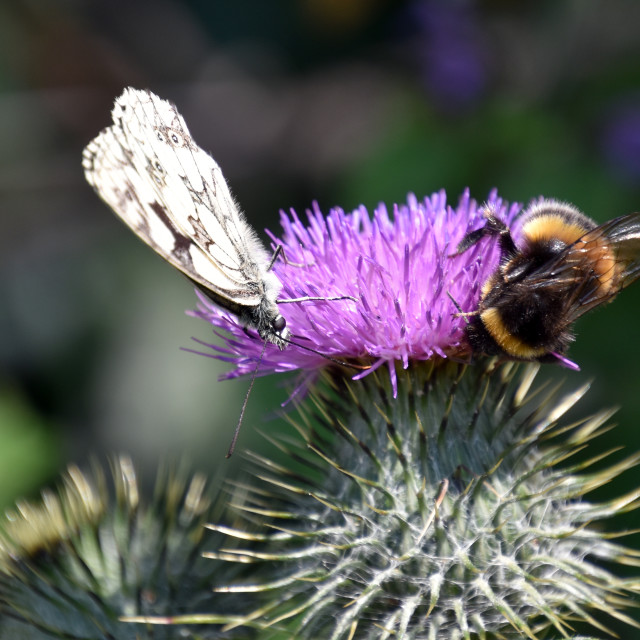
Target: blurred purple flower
(449, 51)
(621, 139)
(398, 268)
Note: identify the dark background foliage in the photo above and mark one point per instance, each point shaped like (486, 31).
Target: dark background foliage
(344, 101)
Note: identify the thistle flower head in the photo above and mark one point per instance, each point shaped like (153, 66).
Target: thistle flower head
(438, 501)
(397, 269)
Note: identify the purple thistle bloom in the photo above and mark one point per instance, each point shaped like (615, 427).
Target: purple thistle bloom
(399, 269)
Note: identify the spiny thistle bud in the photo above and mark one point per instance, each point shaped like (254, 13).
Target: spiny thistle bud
(451, 511)
(72, 565)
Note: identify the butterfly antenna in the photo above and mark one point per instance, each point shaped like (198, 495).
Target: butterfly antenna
(232, 446)
(359, 367)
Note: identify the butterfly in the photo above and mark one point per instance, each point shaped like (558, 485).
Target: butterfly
(173, 195)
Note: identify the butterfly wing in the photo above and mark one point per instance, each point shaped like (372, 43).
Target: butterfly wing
(173, 195)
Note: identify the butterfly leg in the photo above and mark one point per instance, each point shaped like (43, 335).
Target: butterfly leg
(279, 251)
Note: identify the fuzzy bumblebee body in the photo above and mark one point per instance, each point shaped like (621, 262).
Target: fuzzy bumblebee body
(565, 266)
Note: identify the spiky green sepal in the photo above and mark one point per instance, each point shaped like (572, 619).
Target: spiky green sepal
(452, 511)
(71, 566)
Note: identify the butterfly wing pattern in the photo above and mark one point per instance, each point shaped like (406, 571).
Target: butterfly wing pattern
(173, 195)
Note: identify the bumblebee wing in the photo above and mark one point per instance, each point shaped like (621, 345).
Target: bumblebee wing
(623, 236)
(594, 268)
(149, 170)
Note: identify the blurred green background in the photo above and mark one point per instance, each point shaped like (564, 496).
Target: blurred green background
(342, 101)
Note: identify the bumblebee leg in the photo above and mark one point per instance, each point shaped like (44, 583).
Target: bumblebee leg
(493, 227)
(469, 240)
(461, 313)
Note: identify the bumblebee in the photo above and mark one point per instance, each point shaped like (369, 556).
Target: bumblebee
(564, 265)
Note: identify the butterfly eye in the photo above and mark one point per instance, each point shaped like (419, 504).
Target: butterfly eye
(279, 324)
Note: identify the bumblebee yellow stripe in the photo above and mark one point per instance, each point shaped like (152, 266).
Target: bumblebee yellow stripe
(552, 225)
(507, 341)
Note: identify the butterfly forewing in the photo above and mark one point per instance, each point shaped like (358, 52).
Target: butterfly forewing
(190, 184)
(173, 195)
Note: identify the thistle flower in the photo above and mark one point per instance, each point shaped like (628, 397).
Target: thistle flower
(437, 501)
(397, 267)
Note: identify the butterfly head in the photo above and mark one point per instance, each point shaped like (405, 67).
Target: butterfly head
(279, 334)
(270, 325)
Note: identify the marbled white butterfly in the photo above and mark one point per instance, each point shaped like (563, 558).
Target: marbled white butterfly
(173, 195)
